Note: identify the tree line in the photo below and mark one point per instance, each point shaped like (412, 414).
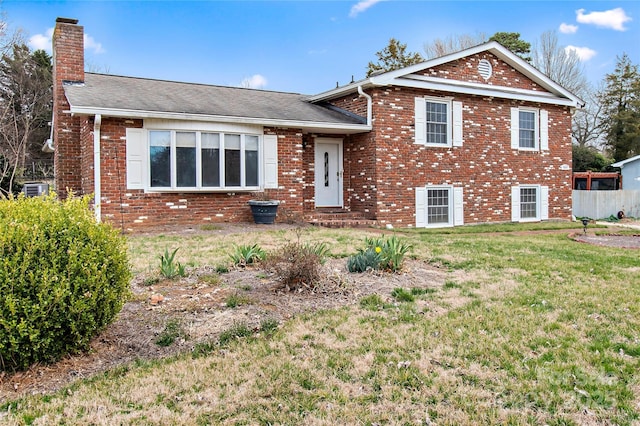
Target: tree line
(605, 130)
(26, 102)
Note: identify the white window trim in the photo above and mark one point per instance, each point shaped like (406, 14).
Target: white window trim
(536, 129)
(455, 206)
(542, 203)
(541, 136)
(454, 121)
(199, 187)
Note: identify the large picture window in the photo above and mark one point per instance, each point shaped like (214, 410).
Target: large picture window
(203, 160)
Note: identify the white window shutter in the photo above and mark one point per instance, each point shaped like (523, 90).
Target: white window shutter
(515, 204)
(136, 158)
(458, 204)
(421, 207)
(544, 203)
(270, 155)
(457, 123)
(420, 126)
(515, 128)
(544, 130)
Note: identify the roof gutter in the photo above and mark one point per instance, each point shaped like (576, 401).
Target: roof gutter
(48, 144)
(97, 201)
(369, 102)
(269, 122)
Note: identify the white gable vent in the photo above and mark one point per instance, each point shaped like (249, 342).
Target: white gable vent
(485, 69)
(35, 189)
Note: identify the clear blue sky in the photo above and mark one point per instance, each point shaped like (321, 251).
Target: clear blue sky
(308, 46)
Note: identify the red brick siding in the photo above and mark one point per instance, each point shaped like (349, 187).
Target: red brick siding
(466, 69)
(136, 210)
(485, 166)
(68, 59)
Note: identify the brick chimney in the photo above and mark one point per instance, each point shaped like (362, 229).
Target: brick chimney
(68, 66)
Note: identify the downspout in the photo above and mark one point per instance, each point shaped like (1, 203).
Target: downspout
(369, 105)
(97, 201)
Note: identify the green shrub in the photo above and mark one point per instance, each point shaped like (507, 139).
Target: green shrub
(63, 278)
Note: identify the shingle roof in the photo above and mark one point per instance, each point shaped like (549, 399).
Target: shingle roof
(110, 92)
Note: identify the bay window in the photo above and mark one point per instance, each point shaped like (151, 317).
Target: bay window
(203, 160)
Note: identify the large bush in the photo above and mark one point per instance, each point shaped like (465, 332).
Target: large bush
(63, 278)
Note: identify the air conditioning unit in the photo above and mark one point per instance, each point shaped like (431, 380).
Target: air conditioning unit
(35, 189)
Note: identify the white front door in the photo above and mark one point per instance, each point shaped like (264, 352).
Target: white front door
(328, 172)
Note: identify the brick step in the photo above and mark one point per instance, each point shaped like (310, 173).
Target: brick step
(345, 223)
(338, 218)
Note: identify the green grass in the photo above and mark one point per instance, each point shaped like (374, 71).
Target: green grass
(524, 330)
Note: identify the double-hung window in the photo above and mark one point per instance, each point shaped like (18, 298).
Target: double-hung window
(438, 122)
(203, 160)
(529, 203)
(529, 129)
(438, 206)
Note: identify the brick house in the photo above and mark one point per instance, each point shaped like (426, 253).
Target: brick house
(472, 137)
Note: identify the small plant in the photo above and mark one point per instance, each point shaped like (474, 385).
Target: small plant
(172, 330)
(149, 281)
(212, 279)
(269, 325)
(236, 331)
(169, 267)
(379, 253)
(402, 295)
(210, 227)
(372, 302)
(222, 269)
(296, 266)
(247, 254)
(392, 251)
(319, 249)
(236, 299)
(366, 260)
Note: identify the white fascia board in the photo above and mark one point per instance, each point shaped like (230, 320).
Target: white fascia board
(267, 122)
(623, 162)
(493, 47)
(469, 84)
(341, 91)
(531, 96)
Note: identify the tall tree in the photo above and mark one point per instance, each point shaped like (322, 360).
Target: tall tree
(559, 64)
(25, 108)
(587, 123)
(621, 107)
(393, 57)
(514, 43)
(440, 47)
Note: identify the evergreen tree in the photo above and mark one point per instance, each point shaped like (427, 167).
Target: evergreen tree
(25, 109)
(621, 109)
(393, 57)
(514, 43)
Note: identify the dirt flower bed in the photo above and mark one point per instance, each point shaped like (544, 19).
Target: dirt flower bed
(198, 305)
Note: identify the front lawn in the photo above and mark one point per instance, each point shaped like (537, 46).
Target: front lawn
(527, 328)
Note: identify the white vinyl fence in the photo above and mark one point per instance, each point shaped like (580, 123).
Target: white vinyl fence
(602, 204)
